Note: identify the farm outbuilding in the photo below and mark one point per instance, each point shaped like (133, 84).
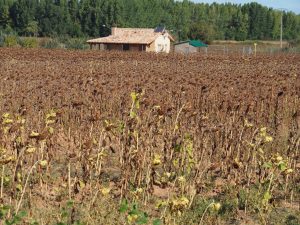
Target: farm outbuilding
(134, 39)
(190, 46)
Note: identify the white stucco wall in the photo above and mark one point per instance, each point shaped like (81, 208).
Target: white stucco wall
(163, 44)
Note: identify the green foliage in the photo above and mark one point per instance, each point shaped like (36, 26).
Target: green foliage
(185, 18)
(202, 31)
(200, 207)
(29, 43)
(2, 41)
(134, 215)
(242, 199)
(15, 219)
(10, 41)
(66, 215)
(76, 43)
(5, 19)
(32, 28)
(64, 42)
(124, 206)
(292, 220)
(157, 222)
(3, 212)
(51, 44)
(295, 42)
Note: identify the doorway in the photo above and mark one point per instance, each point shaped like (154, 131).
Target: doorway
(125, 47)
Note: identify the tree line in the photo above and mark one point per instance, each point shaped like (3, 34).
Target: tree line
(185, 19)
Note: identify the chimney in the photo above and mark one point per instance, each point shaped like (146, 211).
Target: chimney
(113, 30)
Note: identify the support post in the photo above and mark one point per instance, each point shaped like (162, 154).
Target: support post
(281, 29)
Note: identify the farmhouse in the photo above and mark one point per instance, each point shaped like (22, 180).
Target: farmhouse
(134, 39)
(190, 46)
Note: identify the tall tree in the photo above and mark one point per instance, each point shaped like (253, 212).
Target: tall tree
(5, 20)
(22, 13)
(186, 19)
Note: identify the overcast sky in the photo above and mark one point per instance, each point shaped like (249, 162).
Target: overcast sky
(292, 5)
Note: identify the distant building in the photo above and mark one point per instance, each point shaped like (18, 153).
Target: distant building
(190, 46)
(134, 39)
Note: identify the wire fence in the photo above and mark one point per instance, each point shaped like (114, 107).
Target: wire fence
(247, 50)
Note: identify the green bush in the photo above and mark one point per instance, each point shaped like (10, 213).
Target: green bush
(4, 33)
(62, 38)
(29, 43)
(295, 42)
(10, 41)
(76, 43)
(1, 41)
(292, 220)
(51, 43)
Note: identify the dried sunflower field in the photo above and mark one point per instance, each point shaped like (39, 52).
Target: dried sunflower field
(91, 137)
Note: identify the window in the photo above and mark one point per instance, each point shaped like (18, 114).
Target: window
(126, 47)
